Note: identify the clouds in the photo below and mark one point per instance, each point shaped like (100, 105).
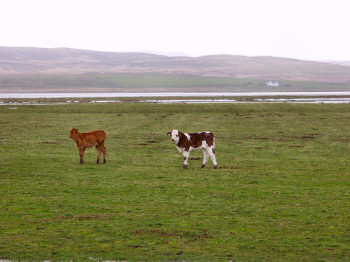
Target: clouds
(300, 29)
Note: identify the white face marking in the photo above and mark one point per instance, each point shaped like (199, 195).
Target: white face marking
(175, 136)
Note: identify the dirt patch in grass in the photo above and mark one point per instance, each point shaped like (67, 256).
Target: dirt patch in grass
(82, 217)
(205, 235)
(259, 147)
(227, 167)
(311, 136)
(149, 142)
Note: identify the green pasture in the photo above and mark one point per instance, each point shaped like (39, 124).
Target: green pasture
(281, 191)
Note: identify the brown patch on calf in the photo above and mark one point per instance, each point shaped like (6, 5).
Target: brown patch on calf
(196, 140)
(183, 142)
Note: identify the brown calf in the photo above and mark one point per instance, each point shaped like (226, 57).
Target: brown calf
(85, 140)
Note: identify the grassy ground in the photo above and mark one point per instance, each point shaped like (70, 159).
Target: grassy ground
(281, 190)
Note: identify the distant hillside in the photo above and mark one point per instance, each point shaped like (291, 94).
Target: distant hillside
(344, 63)
(26, 60)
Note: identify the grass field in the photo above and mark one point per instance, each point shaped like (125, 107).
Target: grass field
(281, 190)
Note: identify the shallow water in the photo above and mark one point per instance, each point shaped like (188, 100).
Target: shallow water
(223, 101)
(291, 97)
(166, 94)
(201, 101)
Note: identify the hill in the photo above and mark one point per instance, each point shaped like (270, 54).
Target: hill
(342, 62)
(27, 60)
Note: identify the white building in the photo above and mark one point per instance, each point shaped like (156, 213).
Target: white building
(272, 83)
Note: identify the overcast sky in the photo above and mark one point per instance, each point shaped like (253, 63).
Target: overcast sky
(303, 29)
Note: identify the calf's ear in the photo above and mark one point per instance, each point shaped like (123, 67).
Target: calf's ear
(169, 133)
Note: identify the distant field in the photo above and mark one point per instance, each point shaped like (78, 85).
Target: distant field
(151, 83)
(281, 190)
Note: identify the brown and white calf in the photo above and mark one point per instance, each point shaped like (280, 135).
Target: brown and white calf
(186, 142)
(90, 139)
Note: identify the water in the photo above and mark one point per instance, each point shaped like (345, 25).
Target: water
(190, 101)
(170, 94)
(272, 100)
(295, 97)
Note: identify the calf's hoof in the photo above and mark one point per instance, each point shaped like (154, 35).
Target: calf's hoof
(185, 166)
(203, 166)
(215, 167)
(104, 161)
(98, 161)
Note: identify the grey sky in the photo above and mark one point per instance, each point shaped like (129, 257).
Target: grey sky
(304, 29)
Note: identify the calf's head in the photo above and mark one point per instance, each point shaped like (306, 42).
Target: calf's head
(73, 133)
(175, 135)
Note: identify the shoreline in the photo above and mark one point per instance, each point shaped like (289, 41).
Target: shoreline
(172, 94)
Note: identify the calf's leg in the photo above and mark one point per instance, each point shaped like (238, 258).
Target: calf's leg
(82, 153)
(98, 154)
(104, 150)
(186, 155)
(212, 156)
(205, 157)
